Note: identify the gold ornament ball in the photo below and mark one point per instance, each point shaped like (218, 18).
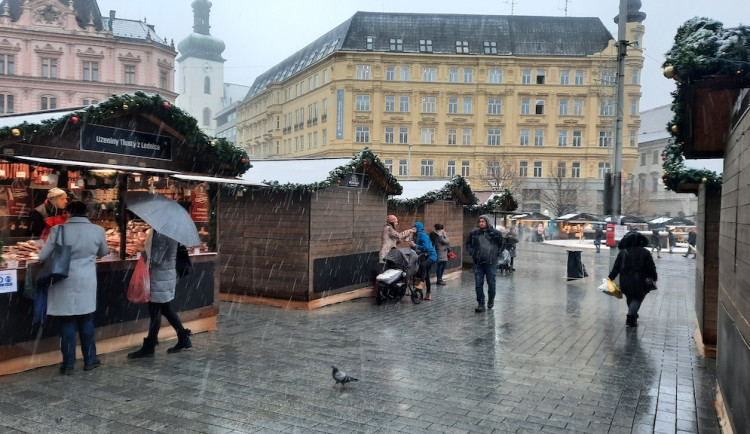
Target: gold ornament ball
(669, 71)
(124, 106)
(16, 132)
(212, 143)
(675, 128)
(705, 180)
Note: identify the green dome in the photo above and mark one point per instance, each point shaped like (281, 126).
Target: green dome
(201, 46)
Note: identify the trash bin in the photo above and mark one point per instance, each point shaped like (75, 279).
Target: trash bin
(576, 269)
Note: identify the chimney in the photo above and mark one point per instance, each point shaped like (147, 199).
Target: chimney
(112, 14)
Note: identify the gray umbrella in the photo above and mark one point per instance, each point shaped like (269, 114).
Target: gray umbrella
(164, 215)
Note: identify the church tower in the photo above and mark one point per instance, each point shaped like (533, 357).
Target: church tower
(201, 70)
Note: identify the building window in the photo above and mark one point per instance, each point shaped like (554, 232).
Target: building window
(539, 107)
(496, 76)
(636, 41)
(523, 169)
(427, 168)
(655, 184)
(405, 73)
(164, 79)
(468, 106)
(362, 103)
(324, 139)
(643, 159)
(462, 47)
(603, 168)
(390, 73)
(363, 72)
(451, 169)
(605, 139)
(466, 136)
(633, 141)
(429, 74)
(324, 115)
(577, 138)
(388, 163)
(526, 76)
(453, 75)
(130, 77)
(369, 42)
(575, 169)
(90, 71)
(429, 104)
(634, 77)
(563, 107)
(655, 157)
(562, 138)
(524, 137)
(206, 117)
(465, 169)
(541, 76)
(525, 106)
(493, 168)
(452, 105)
(403, 135)
(607, 108)
(495, 106)
(49, 67)
(403, 104)
(468, 75)
(538, 137)
(633, 107)
(362, 134)
(425, 45)
(579, 78)
(396, 44)
(49, 103)
(578, 107)
(608, 78)
(388, 138)
(490, 47)
(325, 76)
(428, 136)
(565, 77)
(537, 169)
(561, 170)
(7, 64)
(403, 167)
(6, 103)
(493, 137)
(390, 103)
(452, 136)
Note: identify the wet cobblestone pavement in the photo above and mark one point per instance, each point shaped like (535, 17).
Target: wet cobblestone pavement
(552, 356)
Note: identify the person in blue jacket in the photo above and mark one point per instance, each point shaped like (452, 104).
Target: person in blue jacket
(424, 245)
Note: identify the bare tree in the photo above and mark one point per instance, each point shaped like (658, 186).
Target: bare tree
(637, 201)
(561, 195)
(501, 173)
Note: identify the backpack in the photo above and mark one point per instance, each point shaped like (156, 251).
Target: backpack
(183, 266)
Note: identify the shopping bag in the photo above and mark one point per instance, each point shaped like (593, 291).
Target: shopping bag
(451, 255)
(56, 267)
(608, 287)
(139, 288)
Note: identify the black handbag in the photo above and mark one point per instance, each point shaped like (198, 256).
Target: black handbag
(56, 267)
(650, 284)
(183, 265)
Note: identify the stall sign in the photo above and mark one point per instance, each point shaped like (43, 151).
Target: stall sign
(199, 204)
(110, 140)
(8, 281)
(356, 180)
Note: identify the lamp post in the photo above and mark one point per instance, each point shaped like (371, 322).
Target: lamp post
(408, 163)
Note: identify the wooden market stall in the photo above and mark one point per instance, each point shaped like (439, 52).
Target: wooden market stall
(435, 201)
(309, 239)
(577, 225)
(527, 223)
(97, 154)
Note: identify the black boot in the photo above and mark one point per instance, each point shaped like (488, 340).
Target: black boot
(183, 341)
(147, 350)
(631, 321)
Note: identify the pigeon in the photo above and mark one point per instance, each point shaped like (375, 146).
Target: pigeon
(341, 377)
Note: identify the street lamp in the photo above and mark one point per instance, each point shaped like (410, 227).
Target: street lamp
(408, 162)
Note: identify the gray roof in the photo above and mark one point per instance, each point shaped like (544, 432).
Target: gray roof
(133, 30)
(654, 124)
(513, 35)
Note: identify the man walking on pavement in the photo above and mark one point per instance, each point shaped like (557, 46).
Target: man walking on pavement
(484, 244)
(692, 239)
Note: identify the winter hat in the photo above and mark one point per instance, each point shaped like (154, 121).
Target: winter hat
(391, 219)
(55, 192)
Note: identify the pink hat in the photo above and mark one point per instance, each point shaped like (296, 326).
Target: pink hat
(391, 219)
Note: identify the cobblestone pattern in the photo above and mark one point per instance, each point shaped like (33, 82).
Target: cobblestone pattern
(552, 357)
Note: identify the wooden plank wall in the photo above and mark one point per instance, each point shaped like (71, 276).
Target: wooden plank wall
(707, 267)
(448, 213)
(263, 244)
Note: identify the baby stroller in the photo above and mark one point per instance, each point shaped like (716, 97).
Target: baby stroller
(503, 263)
(392, 284)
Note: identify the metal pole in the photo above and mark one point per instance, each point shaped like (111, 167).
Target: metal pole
(622, 44)
(408, 164)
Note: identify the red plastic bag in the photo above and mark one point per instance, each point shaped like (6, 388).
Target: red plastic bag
(139, 288)
(452, 256)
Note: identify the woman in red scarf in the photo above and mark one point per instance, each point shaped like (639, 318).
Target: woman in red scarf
(50, 213)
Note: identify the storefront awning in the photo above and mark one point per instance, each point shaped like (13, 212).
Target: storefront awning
(236, 181)
(56, 162)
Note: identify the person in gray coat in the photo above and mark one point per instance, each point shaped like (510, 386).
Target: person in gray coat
(73, 300)
(442, 245)
(162, 258)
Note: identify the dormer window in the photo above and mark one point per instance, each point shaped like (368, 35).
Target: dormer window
(490, 47)
(425, 45)
(462, 47)
(369, 43)
(396, 44)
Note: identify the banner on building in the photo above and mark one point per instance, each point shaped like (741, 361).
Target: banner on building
(339, 113)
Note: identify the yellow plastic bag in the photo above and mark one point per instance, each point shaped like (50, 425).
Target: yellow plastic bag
(610, 288)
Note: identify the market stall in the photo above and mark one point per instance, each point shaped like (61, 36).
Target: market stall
(577, 226)
(309, 239)
(98, 154)
(527, 223)
(435, 201)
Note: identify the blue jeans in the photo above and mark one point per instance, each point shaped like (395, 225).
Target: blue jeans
(440, 270)
(85, 326)
(480, 272)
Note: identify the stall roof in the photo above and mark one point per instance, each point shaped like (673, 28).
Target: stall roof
(33, 118)
(296, 171)
(56, 162)
(417, 192)
(234, 181)
(579, 218)
(628, 219)
(417, 189)
(530, 216)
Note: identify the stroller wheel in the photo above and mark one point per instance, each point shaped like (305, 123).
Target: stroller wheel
(417, 296)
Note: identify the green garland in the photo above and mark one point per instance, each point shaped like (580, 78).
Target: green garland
(702, 47)
(502, 202)
(234, 160)
(456, 183)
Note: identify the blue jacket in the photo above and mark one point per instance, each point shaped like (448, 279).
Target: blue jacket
(424, 245)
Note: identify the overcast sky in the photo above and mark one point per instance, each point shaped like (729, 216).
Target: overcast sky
(260, 34)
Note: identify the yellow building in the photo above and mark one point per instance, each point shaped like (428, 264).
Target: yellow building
(507, 101)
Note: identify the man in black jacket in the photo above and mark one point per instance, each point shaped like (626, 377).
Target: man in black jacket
(484, 244)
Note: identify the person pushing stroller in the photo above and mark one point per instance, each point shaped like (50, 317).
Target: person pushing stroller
(423, 245)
